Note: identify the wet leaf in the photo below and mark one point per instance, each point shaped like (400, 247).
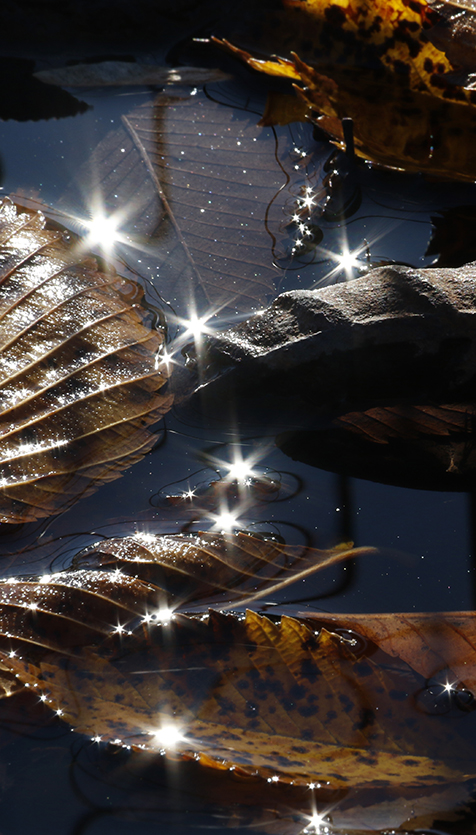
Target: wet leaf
(121, 73)
(203, 234)
(278, 699)
(374, 63)
(437, 646)
(236, 567)
(79, 383)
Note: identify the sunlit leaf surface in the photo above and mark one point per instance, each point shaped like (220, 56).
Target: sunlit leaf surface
(80, 382)
(279, 698)
(235, 567)
(373, 62)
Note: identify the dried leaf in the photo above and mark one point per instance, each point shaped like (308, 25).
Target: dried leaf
(120, 73)
(275, 698)
(80, 384)
(195, 567)
(373, 62)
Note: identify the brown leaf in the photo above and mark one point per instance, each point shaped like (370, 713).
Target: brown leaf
(276, 698)
(421, 446)
(237, 567)
(374, 63)
(80, 384)
(436, 646)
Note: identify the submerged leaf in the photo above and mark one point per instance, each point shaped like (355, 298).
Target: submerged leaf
(421, 446)
(276, 698)
(79, 383)
(198, 179)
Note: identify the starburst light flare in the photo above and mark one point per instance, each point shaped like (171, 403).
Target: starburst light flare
(168, 735)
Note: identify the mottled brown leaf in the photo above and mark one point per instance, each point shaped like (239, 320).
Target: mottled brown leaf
(277, 698)
(374, 62)
(436, 646)
(80, 384)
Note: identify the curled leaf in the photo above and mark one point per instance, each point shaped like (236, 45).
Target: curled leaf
(237, 567)
(80, 384)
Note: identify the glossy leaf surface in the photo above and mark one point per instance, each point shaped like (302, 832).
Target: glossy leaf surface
(235, 567)
(408, 108)
(277, 698)
(79, 381)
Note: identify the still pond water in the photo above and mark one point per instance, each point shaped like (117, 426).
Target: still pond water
(51, 780)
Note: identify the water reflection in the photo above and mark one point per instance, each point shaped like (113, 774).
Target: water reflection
(112, 790)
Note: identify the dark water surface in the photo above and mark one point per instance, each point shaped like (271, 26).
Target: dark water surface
(53, 780)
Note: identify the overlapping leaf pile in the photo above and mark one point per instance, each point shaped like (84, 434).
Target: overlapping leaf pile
(80, 383)
(408, 108)
(281, 699)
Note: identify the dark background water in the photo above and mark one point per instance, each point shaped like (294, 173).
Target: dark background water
(50, 778)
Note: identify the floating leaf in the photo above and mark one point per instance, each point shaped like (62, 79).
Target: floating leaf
(373, 62)
(434, 645)
(188, 567)
(276, 698)
(80, 383)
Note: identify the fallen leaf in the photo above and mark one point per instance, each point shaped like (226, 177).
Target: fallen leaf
(237, 567)
(374, 63)
(421, 446)
(278, 699)
(439, 646)
(80, 386)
